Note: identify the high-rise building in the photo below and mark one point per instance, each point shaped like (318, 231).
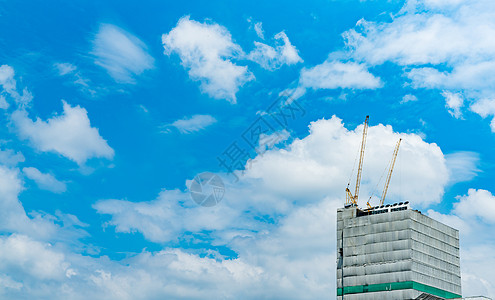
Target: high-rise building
(394, 252)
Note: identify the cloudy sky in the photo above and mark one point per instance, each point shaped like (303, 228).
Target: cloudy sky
(109, 111)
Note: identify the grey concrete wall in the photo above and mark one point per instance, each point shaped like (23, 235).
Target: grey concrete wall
(396, 247)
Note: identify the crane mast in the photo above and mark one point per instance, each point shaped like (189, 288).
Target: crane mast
(389, 175)
(352, 199)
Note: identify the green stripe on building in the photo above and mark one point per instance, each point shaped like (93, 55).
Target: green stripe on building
(393, 286)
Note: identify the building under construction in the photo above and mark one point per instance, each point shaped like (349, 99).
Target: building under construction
(393, 252)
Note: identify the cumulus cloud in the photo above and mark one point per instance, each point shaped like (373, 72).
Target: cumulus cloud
(10, 187)
(33, 265)
(191, 124)
(272, 58)
(182, 274)
(206, 51)
(7, 80)
(409, 98)
(300, 174)
(21, 254)
(13, 218)
(454, 102)
(9, 87)
(279, 220)
(472, 215)
(166, 217)
(123, 55)
(9, 157)
(442, 42)
(45, 181)
(69, 134)
(308, 170)
(425, 32)
(280, 217)
(336, 74)
(477, 203)
(485, 107)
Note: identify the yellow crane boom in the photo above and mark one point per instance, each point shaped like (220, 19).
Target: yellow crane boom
(392, 163)
(352, 199)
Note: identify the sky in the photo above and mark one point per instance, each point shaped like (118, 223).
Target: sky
(115, 113)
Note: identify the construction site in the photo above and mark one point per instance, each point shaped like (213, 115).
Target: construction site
(391, 251)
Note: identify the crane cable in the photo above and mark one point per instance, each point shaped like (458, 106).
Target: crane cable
(377, 184)
(353, 168)
(391, 169)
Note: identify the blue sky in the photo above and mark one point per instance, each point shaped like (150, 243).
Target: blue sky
(110, 110)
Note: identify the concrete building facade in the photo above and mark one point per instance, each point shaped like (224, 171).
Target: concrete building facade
(394, 252)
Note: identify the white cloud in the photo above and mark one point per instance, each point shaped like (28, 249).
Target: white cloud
(71, 71)
(467, 76)
(442, 3)
(10, 187)
(477, 269)
(473, 216)
(165, 218)
(289, 52)
(21, 254)
(8, 85)
(305, 170)
(10, 158)
(69, 134)
(206, 51)
(33, 265)
(268, 141)
(258, 27)
(485, 107)
(454, 102)
(271, 58)
(3, 103)
(300, 174)
(122, 54)
(192, 124)
(477, 203)
(442, 42)
(291, 260)
(425, 33)
(335, 74)
(143, 108)
(409, 98)
(7, 283)
(462, 165)
(65, 68)
(38, 225)
(279, 219)
(25, 99)
(44, 181)
(13, 218)
(7, 80)
(294, 260)
(476, 247)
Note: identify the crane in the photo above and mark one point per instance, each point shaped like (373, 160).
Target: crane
(389, 175)
(352, 199)
(392, 163)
